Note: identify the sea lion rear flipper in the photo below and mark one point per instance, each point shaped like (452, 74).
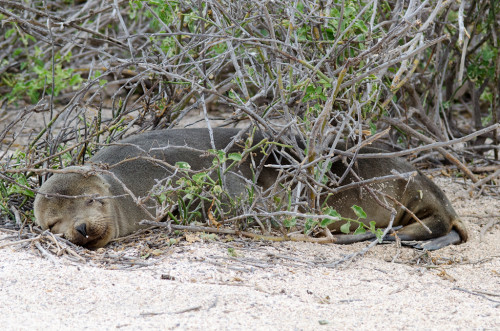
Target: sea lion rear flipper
(451, 238)
(346, 239)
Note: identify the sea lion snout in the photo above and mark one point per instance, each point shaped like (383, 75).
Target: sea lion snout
(91, 233)
(82, 229)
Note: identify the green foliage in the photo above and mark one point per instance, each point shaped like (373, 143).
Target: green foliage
(36, 77)
(346, 227)
(309, 225)
(195, 189)
(290, 222)
(482, 65)
(232, 252)
(330, 212)
(18, 189)
(200, 47)
(359, 211)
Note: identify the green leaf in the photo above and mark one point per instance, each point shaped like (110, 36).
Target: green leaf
(325, 222)
(75, 80)
(289, 222)
(373, 128)
(360, 229)
(182, 165)
(9, 32)
(345, 228)
(217, 189)
(220, 156)
(330, 212)
(309, 225)
(199, 177)
(234, 156)
(359, 211)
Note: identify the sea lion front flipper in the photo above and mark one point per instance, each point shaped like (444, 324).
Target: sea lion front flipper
(451, 238)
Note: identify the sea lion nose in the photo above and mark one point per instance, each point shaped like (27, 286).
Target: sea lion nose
(82, 229)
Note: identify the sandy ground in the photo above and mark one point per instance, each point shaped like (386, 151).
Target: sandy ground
(200, 285)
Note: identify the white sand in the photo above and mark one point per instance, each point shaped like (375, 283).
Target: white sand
(267, 286)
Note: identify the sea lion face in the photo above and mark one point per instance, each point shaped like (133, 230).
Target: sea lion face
(72, 204)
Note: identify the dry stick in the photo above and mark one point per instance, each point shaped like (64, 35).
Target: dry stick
(243, 233)
(392, 62)
(341, 239)
(19, 117)
(336, 154)
(484, 180)
(75, 254)
(16, 216)
(426, 139)
(45, 253)
(59, 20)
(56, 242)
(478, 293)
(435, 145)
(406, 210)
(18, 242)
(483, 230)
(63, 171)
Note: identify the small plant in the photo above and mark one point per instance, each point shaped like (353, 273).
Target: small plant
(194, 192)
(15, 190)
(232, 252)
(36, 77)
(345, 228)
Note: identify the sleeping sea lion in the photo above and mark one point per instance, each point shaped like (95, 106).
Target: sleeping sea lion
(91, 206)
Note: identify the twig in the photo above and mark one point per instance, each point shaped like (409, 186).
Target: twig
(487, 227)
(484, 181)
(45, 253)
(362, 252)
(426, 139)
(478, 293)
(18, 242)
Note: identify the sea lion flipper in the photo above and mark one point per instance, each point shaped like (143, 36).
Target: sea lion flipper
(451, 238)
(433, 226)
(346, 239)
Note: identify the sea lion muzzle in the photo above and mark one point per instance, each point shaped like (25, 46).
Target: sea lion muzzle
(82, 229)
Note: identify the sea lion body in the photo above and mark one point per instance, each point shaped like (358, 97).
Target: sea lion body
(92, 221)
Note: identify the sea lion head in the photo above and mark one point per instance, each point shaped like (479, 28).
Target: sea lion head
(74, 204)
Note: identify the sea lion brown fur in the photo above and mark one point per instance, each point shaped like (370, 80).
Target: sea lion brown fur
(92, 207)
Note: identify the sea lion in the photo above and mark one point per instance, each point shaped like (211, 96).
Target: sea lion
(91, 206)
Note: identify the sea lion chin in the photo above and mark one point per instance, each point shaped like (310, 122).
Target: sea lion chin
(79, 206)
